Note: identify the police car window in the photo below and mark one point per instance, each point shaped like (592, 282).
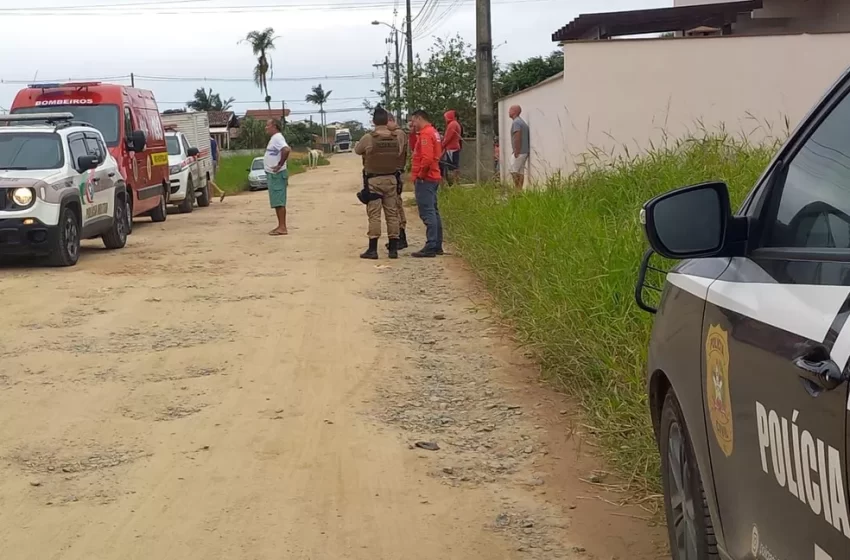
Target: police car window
(93, 146)
(78, 148)
(814, 208)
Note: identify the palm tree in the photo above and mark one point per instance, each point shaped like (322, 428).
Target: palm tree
(209, 101)
(320, 97)
(262, 42)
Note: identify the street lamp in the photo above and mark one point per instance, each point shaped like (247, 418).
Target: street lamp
(397, 71)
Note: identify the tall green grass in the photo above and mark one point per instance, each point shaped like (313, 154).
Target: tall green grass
(561, 264)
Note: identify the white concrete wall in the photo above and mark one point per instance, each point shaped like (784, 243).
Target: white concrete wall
(545, 110)
(632, 93)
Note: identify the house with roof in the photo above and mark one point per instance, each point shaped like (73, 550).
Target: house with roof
(640, 78)
(224, 127)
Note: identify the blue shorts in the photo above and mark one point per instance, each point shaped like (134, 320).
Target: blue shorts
(277, 187)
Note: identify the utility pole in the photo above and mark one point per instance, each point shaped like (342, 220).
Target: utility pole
(409, 63)
(283, 113)
(132, 80)
(397, 82)
(484, 169)
(386, 66)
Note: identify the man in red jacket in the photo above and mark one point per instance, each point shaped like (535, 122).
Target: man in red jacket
(451, 146)
(426, 178)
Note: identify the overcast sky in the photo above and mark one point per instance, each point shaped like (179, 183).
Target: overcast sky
(60, 39)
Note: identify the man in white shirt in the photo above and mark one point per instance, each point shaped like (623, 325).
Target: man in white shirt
(278, 177)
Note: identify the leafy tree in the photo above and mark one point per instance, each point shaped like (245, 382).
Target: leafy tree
(209, 101)
(319, 97)
(261, 43)
(252, 134)
(446, 80)
(518, 76)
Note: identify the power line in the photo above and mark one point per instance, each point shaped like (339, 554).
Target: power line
(214, 79)
(167, 9)
(288, 101)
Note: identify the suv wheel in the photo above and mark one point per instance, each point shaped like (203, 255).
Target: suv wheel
(160, 213)
(188, 203)
(204, 197)
(116, 236)
(67, 249)
(688, 519)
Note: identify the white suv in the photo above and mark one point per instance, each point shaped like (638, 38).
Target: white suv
(58, 185)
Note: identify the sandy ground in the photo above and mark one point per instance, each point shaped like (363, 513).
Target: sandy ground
(213, 392)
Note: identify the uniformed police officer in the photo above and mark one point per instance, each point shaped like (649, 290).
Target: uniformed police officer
(392, 125)
(380, 150)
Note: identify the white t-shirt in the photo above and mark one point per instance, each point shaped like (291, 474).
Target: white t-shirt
(272, 157)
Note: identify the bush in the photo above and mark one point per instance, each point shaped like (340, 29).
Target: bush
(561, 264)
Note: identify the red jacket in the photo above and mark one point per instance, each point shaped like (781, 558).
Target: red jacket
(451, 140)
(426, 156)
(411, 140)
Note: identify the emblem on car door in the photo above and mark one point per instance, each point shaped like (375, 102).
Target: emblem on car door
(717, 387)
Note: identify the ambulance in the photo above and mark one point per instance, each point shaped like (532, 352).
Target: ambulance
(128, 118)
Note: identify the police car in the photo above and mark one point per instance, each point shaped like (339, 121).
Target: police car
(748, 376)
(58, 185)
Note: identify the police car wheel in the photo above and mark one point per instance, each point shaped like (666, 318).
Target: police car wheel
(116, 236)
(688, 519)
(67, 249)
(188, 203)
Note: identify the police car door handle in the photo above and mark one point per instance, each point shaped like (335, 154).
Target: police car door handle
(111, 174)
(825, 374)
(95, 180)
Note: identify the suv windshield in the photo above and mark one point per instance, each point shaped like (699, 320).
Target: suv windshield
(31, 150)
(102, 117)
(257, 164)
(173, 145)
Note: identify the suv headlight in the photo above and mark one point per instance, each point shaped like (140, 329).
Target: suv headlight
(175, 169)
(22, 196)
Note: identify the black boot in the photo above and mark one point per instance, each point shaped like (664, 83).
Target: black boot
(402, 239)
(393, 246)
(372, 251)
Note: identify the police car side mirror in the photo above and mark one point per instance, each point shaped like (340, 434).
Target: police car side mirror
(193, 152)
(87, 163)
(137, 141)
(690, 222)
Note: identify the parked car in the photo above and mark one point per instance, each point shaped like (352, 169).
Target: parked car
(58, 184)
(748, 374)
(187, 137)
(128, 119)
(257, 175)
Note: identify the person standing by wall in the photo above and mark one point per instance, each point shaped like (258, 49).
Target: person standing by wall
(452, 146)
(277, 175)
(519, 146)
(380, 150)
(426, 180)
(392, 125)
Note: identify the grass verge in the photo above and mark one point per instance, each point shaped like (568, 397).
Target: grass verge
(561, 264)
(232, 175)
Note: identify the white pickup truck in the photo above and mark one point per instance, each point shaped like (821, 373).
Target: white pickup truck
(190, 163)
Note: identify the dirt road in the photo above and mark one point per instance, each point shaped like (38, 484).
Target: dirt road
(213, 392)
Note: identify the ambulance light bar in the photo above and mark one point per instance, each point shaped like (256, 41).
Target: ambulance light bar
(42, 117)
(61, 85)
